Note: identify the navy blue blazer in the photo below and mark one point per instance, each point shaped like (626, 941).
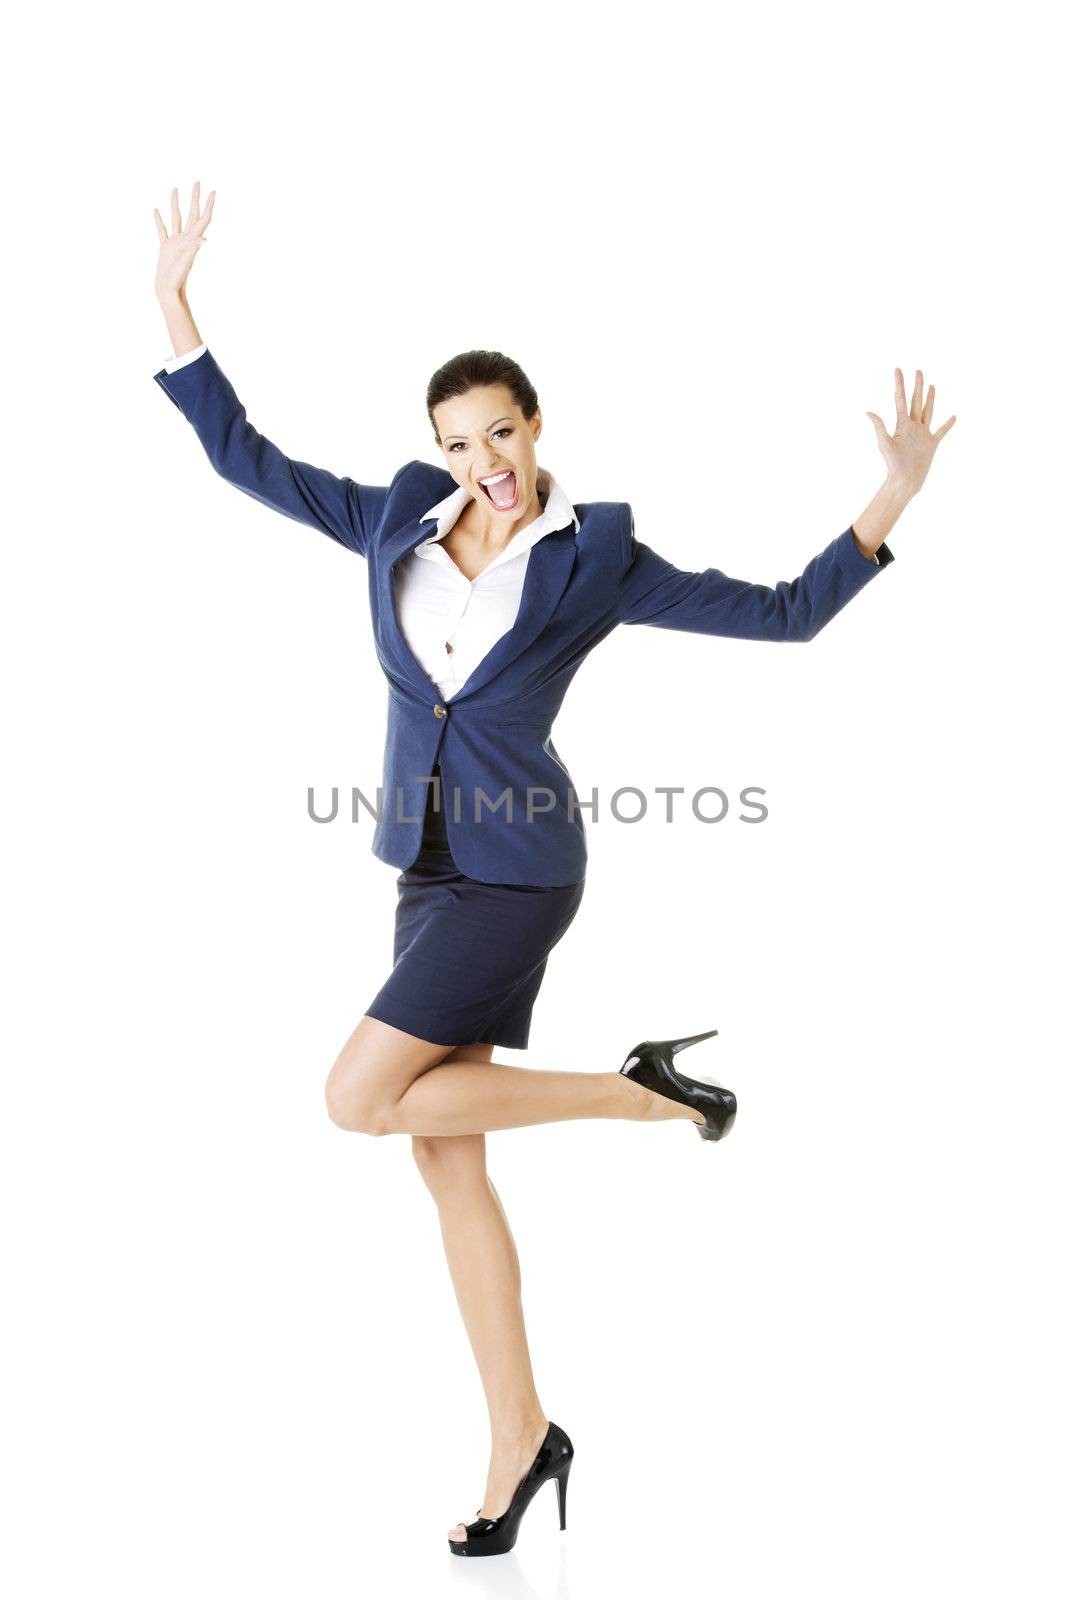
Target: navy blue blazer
(511, 810)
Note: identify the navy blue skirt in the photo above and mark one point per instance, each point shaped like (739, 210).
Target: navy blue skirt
(468, 957)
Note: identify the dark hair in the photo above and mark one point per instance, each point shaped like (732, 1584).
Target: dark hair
(474, 368)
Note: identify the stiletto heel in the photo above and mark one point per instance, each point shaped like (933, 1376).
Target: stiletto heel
(492, 1536)
(561, 1492)
(651, 1064)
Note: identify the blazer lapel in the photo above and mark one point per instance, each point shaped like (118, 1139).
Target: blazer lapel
(393, 551)
(549, 565)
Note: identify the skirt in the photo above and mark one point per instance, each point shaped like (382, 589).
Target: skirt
(468, 957)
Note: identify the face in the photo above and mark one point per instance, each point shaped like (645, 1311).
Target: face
(484, 434)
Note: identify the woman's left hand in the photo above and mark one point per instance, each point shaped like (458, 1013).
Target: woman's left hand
(909, 453)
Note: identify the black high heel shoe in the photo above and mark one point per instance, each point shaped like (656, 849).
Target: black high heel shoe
(492, 1536)
(651, 1064)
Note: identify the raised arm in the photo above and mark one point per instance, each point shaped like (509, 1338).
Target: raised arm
(654, 592)
(344, 510)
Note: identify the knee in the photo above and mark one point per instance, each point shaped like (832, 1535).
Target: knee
(349, 1110)
(353, 1117)
(426, 1155)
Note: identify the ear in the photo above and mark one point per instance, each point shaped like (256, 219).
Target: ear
(535, 423)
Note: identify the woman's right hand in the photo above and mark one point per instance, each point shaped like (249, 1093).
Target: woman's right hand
(178, 249)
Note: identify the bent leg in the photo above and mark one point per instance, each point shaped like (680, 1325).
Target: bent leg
(389, 1081)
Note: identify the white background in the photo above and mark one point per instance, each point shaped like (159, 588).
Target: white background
(823, 1357)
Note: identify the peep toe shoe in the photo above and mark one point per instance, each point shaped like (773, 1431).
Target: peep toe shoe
(492, 1536)
(652, 1064)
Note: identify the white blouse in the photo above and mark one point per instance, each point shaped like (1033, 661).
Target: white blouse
(450, 621)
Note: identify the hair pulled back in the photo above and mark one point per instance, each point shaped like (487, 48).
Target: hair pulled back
(472, 370)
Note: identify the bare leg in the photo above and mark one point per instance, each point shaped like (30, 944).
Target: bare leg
(484, 1267)
(388, 1081)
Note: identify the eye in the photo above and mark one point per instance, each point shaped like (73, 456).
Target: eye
(459, 444)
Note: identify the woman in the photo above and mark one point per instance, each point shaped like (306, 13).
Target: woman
(488, 588)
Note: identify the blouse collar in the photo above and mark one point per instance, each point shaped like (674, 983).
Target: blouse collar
(558, 513)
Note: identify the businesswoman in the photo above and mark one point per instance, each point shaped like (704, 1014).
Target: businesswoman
(488, 588)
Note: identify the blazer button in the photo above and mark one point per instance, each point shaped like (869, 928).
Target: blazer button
(439, 711)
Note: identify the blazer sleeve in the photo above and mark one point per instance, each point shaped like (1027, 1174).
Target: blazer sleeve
(655, 592)
(348, 512)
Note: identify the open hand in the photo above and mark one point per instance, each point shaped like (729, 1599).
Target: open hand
(178, 249)
(909, 453)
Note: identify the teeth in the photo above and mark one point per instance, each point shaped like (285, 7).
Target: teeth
(497, 477)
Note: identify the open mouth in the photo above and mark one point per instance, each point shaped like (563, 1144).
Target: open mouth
(502, 489)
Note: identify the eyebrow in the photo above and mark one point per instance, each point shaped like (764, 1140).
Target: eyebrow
(492, 424)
